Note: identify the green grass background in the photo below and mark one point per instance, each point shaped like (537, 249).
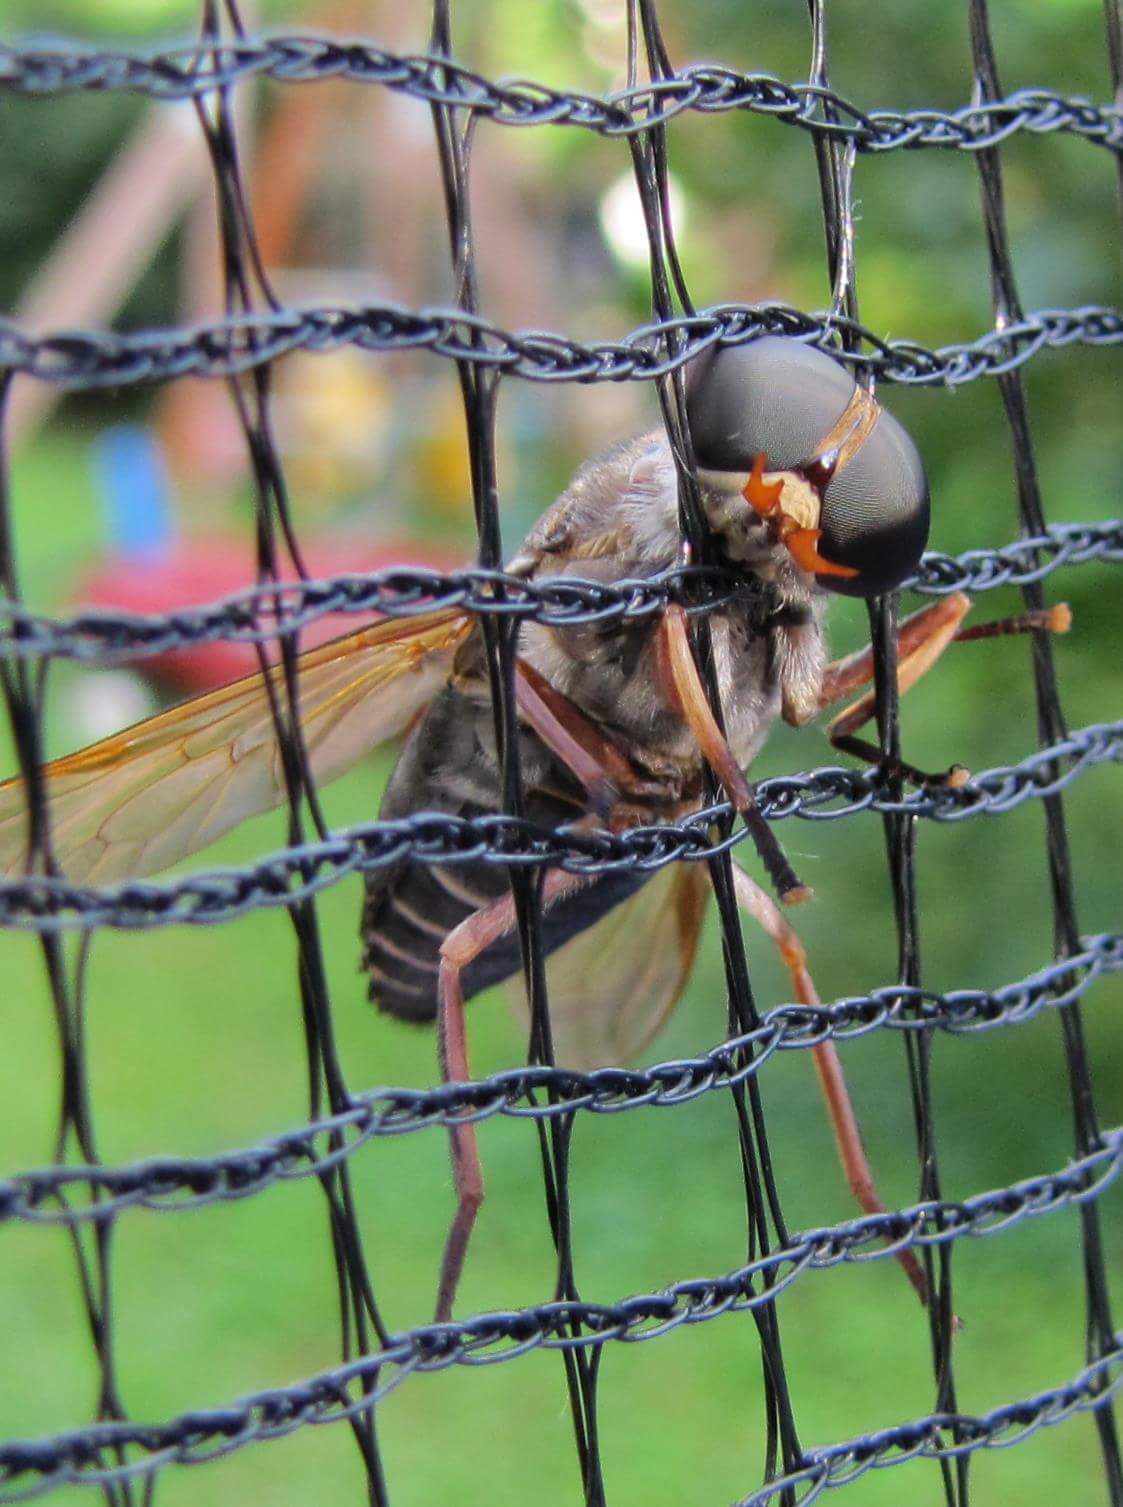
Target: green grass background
(195, 1041)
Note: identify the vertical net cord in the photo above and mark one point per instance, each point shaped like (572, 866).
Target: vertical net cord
(649, 155)
(836, 170)
(1113, 30)
(245, 277)
(91, 1246)
(479, 393)
(1051, 726)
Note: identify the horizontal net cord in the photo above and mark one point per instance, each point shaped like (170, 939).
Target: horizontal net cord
(79, 360)
(927, 1438)
(91, 1454)
(47, 904)
(193, 71)
(259, 613)
(170, 1183)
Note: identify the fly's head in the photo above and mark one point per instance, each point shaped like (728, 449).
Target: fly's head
(806, 479)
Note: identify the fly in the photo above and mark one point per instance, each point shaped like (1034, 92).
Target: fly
(809, 488)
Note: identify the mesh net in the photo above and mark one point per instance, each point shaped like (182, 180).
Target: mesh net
(92, 1200)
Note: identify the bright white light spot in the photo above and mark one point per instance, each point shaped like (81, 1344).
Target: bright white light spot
(623, 224)
(104, 703)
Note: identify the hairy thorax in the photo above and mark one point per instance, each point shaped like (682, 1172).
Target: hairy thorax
(617, 678)
(619, 518)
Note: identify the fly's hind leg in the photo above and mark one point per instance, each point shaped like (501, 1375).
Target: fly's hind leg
(921, 640)
(852, 1154)
(461, 947)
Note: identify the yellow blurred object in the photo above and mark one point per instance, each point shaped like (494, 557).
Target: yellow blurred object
(441, 466)
(333, 413)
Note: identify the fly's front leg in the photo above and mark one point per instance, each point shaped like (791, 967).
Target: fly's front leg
(848, 1139)
(461, 947)
(685, 691)
(921, 640)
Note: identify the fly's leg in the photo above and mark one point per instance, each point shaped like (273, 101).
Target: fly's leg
(921, 640)
(605, 771)
(461, 947)
(589, 754)
(685, 691)
(851, 1153)
(1056, 619)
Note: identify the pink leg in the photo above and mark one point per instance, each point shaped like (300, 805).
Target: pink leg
(585, 750)
(844, 1123)
(921, 640)
(462, 946)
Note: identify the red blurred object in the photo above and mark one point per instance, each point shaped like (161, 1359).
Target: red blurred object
(195, 572)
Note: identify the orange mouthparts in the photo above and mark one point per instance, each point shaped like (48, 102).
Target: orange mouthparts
(801, 542)
(763, 496)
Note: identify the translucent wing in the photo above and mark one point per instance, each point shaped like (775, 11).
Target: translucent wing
(146, 798)
(613, 985)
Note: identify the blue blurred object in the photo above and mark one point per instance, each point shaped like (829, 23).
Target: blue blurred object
(132, 480)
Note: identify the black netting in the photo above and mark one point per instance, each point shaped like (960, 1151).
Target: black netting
(90, 1199)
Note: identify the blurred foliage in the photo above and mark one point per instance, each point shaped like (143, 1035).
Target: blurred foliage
(226, 1301)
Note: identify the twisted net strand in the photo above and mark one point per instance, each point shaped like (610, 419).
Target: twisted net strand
(258, 613)
(90, 1454)
(950, 1436)
(1006, 302)
(85, 360)
(192, 1182)
(189, 71)
(47, 904)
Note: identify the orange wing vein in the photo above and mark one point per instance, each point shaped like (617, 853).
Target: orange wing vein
(148, 797)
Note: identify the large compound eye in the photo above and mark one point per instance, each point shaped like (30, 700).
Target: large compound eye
(779, 398)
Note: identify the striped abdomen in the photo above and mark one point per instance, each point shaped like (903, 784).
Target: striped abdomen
(448, 765)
